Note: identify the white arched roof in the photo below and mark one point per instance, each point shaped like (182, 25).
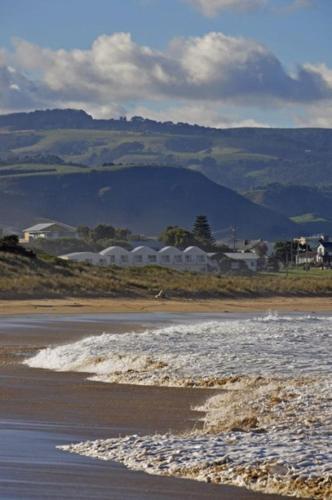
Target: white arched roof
(78, 254)
(115, 250)
(195, 250)
(144, 250)
(170, 250)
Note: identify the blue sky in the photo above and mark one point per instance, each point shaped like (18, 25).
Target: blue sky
(294, 34)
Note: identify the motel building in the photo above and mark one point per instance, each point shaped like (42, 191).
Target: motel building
(191, 259)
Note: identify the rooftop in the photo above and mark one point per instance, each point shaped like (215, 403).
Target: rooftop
(47, 225)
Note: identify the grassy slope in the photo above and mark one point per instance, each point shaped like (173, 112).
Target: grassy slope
(238, 159)
(47, 277)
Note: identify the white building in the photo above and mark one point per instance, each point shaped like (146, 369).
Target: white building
(195, 259)
(143, 256)
(115, 256)
(192, 259)
(49, 231)
(87, 257)
(324, 253)
(171, 257)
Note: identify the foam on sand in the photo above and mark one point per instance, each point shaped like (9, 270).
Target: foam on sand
(268, 430)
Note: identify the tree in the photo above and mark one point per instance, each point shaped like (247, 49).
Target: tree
(10, 240)
(84, 232)
(178, 237)
(285, 251)
(103, 232)
(202, 232)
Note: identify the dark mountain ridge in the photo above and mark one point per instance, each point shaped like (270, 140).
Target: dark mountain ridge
(144, 199)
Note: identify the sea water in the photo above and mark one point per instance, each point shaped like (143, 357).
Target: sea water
(269, 429)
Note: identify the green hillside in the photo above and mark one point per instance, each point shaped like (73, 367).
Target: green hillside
(237, 158)
(63, 164)
(310, 207)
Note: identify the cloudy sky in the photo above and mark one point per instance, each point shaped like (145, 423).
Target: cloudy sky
(215, 62)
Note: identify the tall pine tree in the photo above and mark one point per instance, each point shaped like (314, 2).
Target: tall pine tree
(202, 232)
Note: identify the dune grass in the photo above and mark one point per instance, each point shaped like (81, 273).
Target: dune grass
(48, 277)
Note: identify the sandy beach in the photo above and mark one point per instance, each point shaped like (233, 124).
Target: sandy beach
(41, 409)
(110, 305)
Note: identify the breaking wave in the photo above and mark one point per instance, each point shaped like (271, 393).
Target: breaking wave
(200, 353)
(268, 430)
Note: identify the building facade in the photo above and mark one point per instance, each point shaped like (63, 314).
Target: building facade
(191, 259)
(48, 231)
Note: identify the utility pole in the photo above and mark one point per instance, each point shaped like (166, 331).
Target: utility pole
(233, 230)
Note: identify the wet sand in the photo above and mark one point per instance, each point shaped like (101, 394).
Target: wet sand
(40, 409)
(110, 305)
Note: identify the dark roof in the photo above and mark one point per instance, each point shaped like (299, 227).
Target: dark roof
(327, 244)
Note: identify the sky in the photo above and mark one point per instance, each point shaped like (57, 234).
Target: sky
(220, 63)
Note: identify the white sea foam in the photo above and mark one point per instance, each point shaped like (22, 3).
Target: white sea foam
(190, 353)
(270, 430)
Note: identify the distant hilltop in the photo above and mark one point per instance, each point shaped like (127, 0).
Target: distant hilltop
(80, 119)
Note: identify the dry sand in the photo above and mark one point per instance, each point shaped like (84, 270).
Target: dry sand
(109, 305)
(40, 409)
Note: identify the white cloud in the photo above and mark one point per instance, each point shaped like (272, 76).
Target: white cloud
(211, 67)
(319, 115)
(117, 73)
(211, 8)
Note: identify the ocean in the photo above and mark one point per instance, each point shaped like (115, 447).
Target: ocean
(269, 428)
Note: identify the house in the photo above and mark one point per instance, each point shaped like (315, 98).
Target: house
(49, 231)
(171, 257)
(143, 256)
(86, 257)
(240, 258)
(305, 258)
(324, 253)
(115, 256)
(257, 246)
(195, 259)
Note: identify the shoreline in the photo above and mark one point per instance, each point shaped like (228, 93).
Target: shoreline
(14, 307)
(45, 408)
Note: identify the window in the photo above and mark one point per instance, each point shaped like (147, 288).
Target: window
(188, 258)
(124, 258)
(112, 259)
(138, 259)
(201, 258)
(152, 258)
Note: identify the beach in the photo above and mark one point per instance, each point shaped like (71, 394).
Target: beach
(112, 305)
(42, 409)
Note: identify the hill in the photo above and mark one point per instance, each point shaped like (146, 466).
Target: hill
(237, 158)
(310, 207)
(144, 199)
